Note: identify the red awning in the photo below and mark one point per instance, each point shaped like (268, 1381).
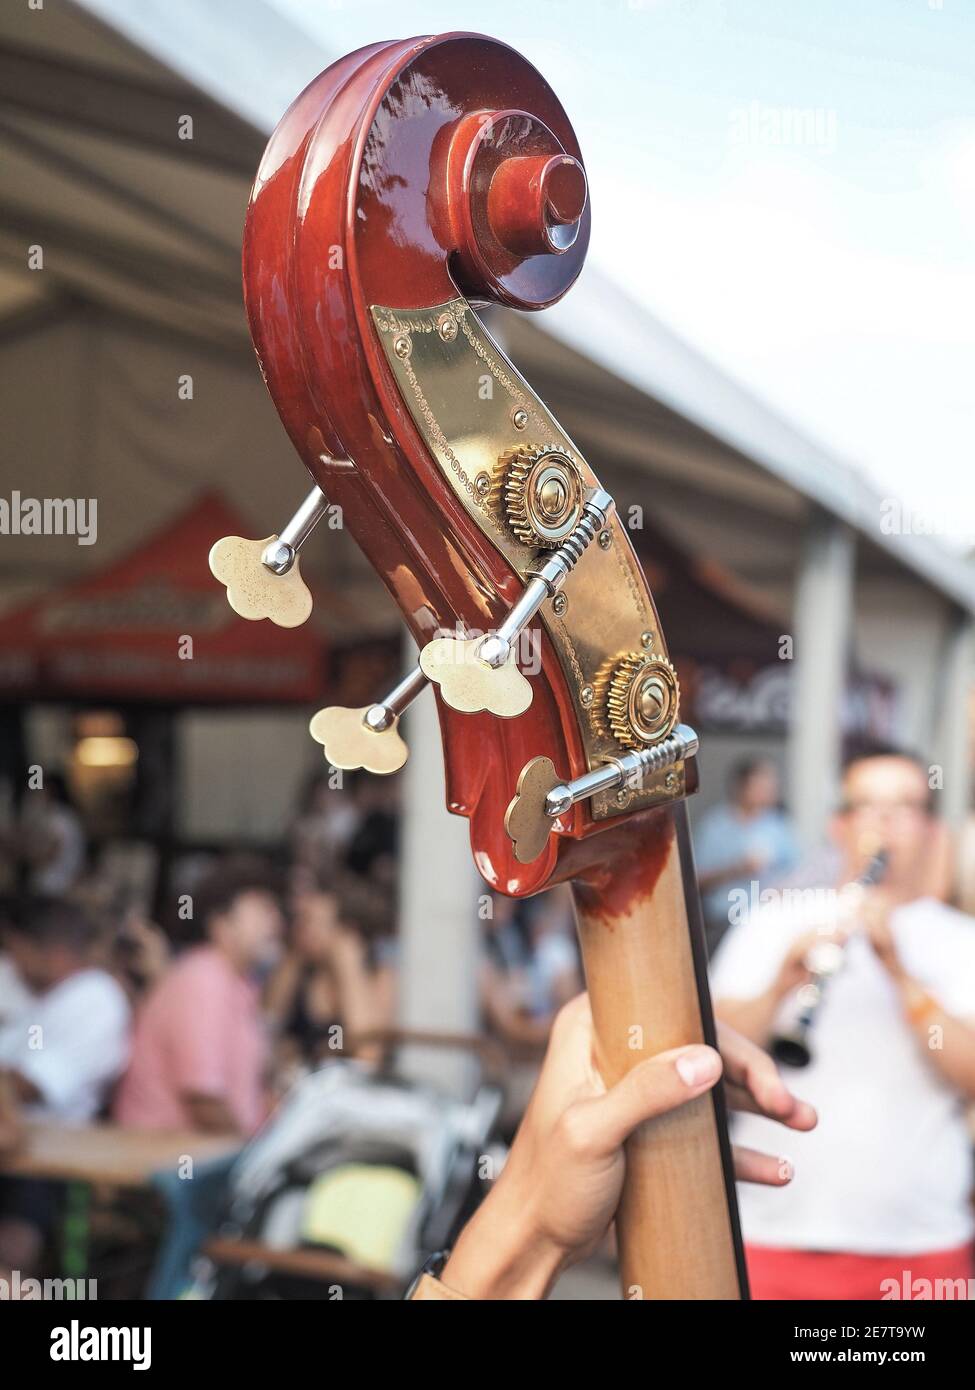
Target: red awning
(121, 635)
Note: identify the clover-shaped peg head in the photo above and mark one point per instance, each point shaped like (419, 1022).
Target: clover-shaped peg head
(526, 820)
(349, 741)
(469, 684)
(253, 590)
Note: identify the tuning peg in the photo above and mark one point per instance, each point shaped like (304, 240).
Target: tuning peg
(480, 672)
(368, 737)
(468, 679)
(540, 798)
(263, 577)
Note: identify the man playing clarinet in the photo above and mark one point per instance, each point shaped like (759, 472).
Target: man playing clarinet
(881, 1200)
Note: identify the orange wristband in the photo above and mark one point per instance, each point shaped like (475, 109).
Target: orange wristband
(921, 1008)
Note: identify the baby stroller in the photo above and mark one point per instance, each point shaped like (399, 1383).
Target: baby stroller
(357, 1178)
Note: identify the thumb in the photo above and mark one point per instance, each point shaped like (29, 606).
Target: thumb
(653, 1087)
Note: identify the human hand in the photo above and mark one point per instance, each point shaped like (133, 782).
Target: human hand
(562, 1183)
(794, 970)
(875, 913)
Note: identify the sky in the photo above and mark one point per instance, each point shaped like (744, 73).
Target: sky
(787, 184)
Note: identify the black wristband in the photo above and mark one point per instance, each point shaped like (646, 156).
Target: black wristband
(432, 1265)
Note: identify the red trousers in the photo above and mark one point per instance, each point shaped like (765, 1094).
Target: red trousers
(813, 1274)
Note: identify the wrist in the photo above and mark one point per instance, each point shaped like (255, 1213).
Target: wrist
(908, 989)
(917, 1003)
(783, 984)
(502, 1253)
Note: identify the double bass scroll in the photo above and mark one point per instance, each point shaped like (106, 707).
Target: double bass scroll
(411, 184)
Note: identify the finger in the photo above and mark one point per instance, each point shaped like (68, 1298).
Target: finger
(653, 1087)
(767, 1169)
(803, 1116)
(755, 1083)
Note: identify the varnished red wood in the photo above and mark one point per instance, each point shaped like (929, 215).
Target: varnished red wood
(351, 208)
(378, 188)
(643, 952)
(677, 1223)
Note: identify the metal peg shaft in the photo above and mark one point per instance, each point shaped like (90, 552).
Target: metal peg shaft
(540, 799)
(624, 771)
(480, 673)
(548, 579)
(385, 712)
(280, 554)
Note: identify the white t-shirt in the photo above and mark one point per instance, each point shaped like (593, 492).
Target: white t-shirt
(72, 1042)
(889, 1169)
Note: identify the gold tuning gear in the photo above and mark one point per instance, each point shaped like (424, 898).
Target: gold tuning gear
(543, 494)
(642, 700)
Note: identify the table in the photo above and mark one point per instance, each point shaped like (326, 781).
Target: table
(83, 1156)
(325, 1265)
(109, 1153)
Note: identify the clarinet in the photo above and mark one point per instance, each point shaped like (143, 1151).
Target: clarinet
(825, 960)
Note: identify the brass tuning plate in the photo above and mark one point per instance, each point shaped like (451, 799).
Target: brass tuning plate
(516, 472)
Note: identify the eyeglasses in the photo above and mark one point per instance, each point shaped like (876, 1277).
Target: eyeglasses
(891, 808)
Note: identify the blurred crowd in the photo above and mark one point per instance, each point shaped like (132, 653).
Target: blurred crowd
(251, 971)
(193, 1007)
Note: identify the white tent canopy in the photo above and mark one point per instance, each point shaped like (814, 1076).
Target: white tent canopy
(140, 287)
(145, 226)
(140, 233)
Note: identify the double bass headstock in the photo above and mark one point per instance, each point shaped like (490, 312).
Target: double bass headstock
(408, 185)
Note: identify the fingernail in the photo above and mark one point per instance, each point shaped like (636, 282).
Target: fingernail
(695, 1068)
(787, 1169)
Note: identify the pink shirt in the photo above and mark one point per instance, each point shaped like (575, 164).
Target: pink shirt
(199, 1031)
